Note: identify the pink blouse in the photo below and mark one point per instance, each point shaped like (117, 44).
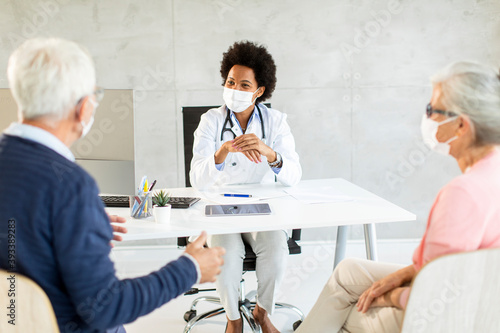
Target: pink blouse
(465, 215)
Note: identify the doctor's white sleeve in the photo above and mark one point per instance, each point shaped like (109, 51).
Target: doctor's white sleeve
(284, 143)
(203, 171)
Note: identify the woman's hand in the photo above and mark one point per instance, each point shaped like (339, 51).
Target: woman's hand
(227, 147)
(252, 155)
(245, 144)
(376, 294)
(390, 298)
(250, 142)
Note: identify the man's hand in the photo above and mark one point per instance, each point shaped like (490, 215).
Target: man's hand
(117, 228)
(209, 259)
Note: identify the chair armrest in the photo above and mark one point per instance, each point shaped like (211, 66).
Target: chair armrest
(296, 233)
(293, 247)
(182, 241)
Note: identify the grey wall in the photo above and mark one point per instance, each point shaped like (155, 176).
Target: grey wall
(352, 76)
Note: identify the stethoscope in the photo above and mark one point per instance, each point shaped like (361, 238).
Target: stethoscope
(230, 121)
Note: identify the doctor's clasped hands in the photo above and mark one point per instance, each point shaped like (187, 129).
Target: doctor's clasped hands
(250, 146)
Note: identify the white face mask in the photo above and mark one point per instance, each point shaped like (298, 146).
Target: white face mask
(429, 130)
(237, 100)
(88, 126)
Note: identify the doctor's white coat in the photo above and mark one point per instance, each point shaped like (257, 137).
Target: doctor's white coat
(238, 169)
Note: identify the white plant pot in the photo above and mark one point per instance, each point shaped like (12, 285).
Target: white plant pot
(162, 214)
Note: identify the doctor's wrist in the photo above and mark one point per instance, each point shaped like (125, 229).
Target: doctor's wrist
(220, 155)
(277, 163)
(272, 156)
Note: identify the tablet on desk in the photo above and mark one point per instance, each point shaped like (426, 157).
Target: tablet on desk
(240, 210)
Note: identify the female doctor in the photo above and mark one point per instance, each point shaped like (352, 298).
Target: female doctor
(243, 142)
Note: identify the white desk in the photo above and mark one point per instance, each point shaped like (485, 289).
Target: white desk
(287, 213)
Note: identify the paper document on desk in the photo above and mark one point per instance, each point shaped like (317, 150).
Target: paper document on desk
(318, 195)
(256, 195)
(217, 197)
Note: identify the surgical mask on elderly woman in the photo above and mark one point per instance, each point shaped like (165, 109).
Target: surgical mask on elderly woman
(237, 100)
(429, 130)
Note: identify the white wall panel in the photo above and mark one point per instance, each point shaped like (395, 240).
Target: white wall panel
(352, 78)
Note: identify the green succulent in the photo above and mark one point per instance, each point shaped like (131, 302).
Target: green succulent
(161, 198)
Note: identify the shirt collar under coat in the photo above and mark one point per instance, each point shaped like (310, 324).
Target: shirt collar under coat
(40, 136)
(255, 115)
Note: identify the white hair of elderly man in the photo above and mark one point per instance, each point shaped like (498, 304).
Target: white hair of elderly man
(48, 76)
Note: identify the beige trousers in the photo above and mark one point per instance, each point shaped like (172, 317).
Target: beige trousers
(271, 249)
(335, 310)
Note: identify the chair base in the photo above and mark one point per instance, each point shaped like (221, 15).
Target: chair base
(246, 308)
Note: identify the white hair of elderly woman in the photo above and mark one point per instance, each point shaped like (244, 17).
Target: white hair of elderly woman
(48, 76)
(473, 89)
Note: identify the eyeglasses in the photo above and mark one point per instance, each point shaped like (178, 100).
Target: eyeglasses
(98, 93)
(429, 111)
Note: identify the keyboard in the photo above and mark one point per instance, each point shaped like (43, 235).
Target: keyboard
(182, 202)
(122, 201)
(115, 200)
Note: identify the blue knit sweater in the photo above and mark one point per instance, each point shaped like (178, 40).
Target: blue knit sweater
(62, 236)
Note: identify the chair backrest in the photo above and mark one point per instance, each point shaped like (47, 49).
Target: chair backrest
(190, 119)
(30, 308)
(456, 293)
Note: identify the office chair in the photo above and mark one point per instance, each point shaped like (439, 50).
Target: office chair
(456, 293)
(191, 119)
(33, 310)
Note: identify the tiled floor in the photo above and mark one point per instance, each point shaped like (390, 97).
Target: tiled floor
(305, 277)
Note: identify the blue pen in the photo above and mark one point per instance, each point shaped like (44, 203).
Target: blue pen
(237, 195)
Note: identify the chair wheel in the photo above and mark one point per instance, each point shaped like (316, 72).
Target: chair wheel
(297, 324)
(190, 315)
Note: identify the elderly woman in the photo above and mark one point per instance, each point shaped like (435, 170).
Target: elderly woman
(244, 141)
(463, 120)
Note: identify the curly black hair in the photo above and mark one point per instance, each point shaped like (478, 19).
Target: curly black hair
(256, 57)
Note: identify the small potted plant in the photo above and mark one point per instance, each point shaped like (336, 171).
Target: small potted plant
(161, 210)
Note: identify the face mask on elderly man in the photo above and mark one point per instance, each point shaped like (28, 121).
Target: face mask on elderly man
(429, 130)
(88, 126)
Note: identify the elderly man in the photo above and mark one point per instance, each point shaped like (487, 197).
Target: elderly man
(62, 231)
